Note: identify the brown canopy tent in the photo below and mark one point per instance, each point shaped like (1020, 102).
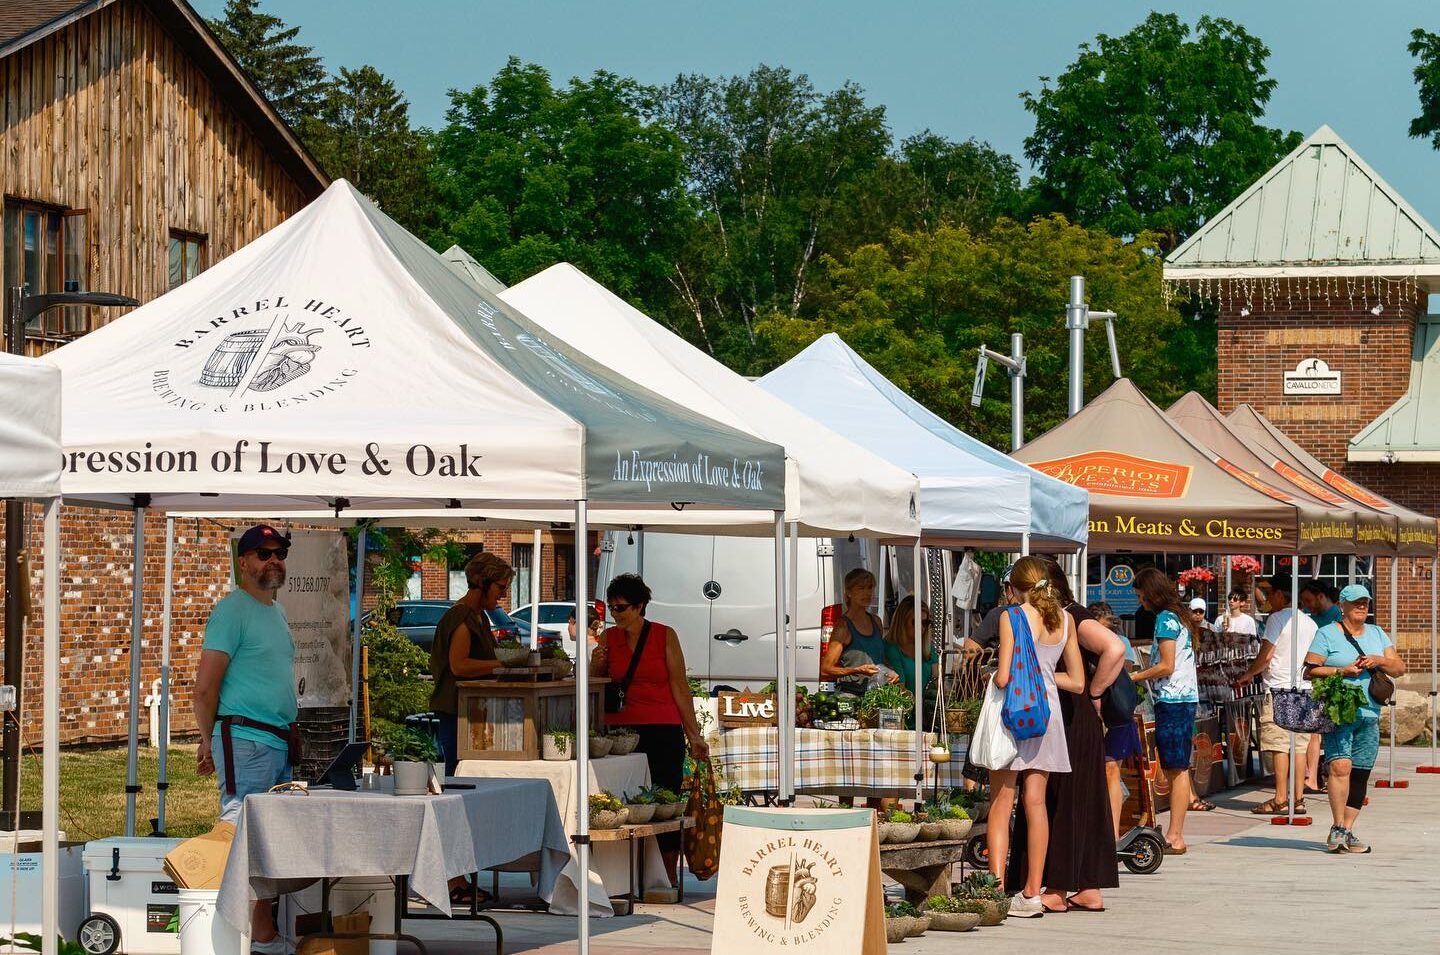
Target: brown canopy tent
(1165, 492)
(1375, 533)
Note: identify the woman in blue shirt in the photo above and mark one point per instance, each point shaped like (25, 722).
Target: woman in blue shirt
(900, 646)
(1353, 649)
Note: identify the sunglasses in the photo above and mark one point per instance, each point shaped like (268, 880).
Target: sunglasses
(620, 608)
(271, 553)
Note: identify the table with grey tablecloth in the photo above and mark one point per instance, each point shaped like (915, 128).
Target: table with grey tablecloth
(286, 841)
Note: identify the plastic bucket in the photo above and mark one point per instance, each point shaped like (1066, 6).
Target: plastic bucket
(373, 894)
(202, 930)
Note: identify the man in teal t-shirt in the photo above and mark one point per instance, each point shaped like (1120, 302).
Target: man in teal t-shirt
(244, 693)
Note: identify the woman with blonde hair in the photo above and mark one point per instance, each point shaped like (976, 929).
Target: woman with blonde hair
(859, 648)
(900, 653)
(1041, 617)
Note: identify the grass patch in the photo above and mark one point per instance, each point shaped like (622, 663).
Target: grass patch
(92, 792)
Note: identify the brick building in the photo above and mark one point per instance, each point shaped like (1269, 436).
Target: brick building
(1320, 274)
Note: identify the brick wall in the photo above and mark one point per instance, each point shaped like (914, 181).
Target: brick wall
(1372, 353)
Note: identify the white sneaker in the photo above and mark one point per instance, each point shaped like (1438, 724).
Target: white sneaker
(1026, 907)
(279, 945)
(1353, 844)
(1335, 842)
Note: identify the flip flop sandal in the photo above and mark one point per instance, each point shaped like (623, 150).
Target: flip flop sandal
(1060, 911)
(1199, 805)
(1077, 907)
(1172, 851)
(460, 895)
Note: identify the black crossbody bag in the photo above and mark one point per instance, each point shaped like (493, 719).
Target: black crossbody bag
(1382, 684)
(615, 692)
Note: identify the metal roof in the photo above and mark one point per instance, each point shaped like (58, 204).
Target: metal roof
(1404, 432)
(1320, 210)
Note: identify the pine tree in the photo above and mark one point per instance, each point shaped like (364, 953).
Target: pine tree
(290, 75)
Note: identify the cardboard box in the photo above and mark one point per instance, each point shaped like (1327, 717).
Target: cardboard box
(199, 863)
(355, 922)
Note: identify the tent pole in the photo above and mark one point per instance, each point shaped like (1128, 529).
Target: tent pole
(137, 609)
(782, 765)
(1352, 569)
(793, 612)
(1025, 544)
(535, 545)
(1297, 772)
(1229, 584)
(1433, 766)
(640, 552)
(50, 768)
(880, 575)
(919, 655)
(356, 650)
(582, 724)
(1395, 636)
(163, 783)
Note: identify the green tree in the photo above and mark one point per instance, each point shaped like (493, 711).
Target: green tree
(528, 175)
(770, 161)
(1155, 130)
(918, 306)
(1425, 47)
(290, 75)
(362, 133)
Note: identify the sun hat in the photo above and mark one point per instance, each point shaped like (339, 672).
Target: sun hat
(1354, 592)
(1197, 603)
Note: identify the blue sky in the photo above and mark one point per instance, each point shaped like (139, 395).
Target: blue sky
(956, 67)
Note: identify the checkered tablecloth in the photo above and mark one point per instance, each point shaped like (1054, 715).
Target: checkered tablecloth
(834, 762)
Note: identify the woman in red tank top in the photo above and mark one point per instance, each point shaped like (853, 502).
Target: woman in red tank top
(658, 704)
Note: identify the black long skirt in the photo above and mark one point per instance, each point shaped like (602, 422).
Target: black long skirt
(1082, 835)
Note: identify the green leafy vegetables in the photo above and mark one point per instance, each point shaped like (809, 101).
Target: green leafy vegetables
(1341, 698)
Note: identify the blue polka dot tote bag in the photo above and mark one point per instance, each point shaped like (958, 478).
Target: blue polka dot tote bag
(1027, 708)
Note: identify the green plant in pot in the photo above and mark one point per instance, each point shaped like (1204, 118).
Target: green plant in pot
(984, 888)
(599, 744)
(606, 811)
(640, 806)
(559, 743)
(949, 914)
(412, 754)
(901, 827)
(668, 804)
(512, 653)
(623, 741)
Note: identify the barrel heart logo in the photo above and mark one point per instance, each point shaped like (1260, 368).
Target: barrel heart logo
(268, 354)
(1120, 474)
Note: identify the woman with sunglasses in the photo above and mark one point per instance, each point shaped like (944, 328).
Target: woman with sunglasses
(1235, 619)
(1354, 649)
(657, 702)
(900, 647)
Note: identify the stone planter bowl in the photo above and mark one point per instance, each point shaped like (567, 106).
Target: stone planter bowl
(549, 749)
(896, 929)
(680, 808)
(955, 829)
(640, 814)
(624, 745)
(882, 832)
(902, 832)
(995, 911)
(599, 747)
(929, 832)
(918, 926)
(953, 921)
(607, 819)
(513, 656)
(664, 811)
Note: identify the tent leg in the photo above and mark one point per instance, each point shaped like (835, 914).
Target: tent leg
(880, 579)
(50, 768)
(582, 722)
(782, 765)
(1433, 766)
(1297, 772)
(162, 785)
(137, 619)
(1025, 544)
(919, 647)
(1394, 635)
(535, 545)
(793, 612)
(356, 650)
(1352, 569)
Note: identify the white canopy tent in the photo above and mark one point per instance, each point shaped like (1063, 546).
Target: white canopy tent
(30, 468)
(338, 363)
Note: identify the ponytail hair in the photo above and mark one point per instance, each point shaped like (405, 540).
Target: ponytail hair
(1030, 576)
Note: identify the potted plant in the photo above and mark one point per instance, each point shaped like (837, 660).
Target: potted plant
(411, 754)
(599, 745)
(897, 924)
(955, 822)
(949, 914)
(915, 922)
(606, 812)
(929, 825)
(512, 653)
(640, 807)
(558, 744)
(667, 804)
(892, 696)
(902, 827)
(623, 741)
(984, 888)
(559, 661)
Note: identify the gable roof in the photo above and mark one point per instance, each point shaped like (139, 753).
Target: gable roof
(1319, 211)
(24, 22)
(1408, 430)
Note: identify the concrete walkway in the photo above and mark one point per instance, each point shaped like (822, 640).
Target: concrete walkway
(1244, 886)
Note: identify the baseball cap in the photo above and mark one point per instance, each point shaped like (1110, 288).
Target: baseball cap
(1353, 592)
(1197, 603)
(261, 535)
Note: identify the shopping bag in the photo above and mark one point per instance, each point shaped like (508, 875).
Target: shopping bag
(1298, 712)
(991, 745)
(702, 843)
(1027, 707)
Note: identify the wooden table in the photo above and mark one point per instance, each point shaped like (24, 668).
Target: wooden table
(642, 831)
(923, 868)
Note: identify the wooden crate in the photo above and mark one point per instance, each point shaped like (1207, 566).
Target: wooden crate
(506, 720)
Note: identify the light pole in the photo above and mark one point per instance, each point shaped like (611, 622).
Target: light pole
(24, 308)
(1077, 320)
(1015, 364)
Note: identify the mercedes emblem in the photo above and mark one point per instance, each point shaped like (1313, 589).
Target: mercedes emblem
(711, 590)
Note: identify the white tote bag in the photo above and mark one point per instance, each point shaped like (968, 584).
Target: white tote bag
(991, 745)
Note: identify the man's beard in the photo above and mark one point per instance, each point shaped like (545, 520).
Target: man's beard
(271, 578)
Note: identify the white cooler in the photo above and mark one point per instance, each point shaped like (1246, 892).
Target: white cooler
(20, 880)
(134, 907)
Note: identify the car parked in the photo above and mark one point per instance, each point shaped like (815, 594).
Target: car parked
(417, 619)
(554, 624)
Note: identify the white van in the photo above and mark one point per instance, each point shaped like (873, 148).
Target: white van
(719, 595)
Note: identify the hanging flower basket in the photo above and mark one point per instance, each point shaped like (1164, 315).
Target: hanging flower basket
(1197, 578)
(1245, 564)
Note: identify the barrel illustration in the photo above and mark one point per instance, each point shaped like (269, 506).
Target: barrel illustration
(227, 364)
(777, 891)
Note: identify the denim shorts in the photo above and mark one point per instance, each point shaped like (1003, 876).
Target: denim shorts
(1358, 742)
(1175, 734)
(257, 768)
